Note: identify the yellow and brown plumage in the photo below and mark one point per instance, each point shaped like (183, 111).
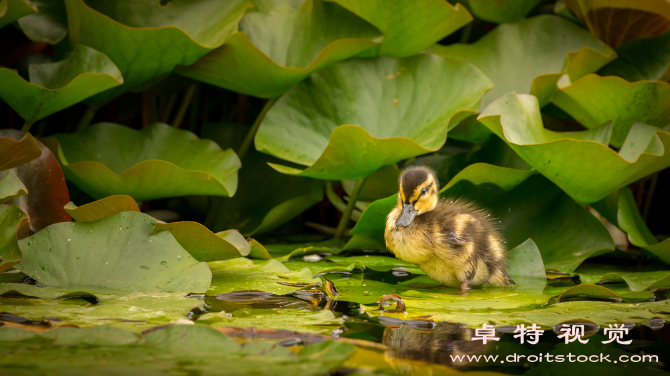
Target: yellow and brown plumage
(452, 241)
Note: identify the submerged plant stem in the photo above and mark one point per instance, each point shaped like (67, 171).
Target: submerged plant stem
(87, 117)
(254, 128)
(184, 106)
(346, 215)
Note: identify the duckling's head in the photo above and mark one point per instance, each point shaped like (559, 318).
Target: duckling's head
(418, 194)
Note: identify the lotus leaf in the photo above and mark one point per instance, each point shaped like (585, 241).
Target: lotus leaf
(617, 22)
(71, 256)
(136, 311)
(265, 199)
(103, 208)
(527, 205)
(12, 290)
(642, 59)
(55, 86)
(578, 162)
(49, 24)
(11, 187)
(525, 266)
(147, 40)
(357, 116)
(323, 322)
(284, 252)
(14, 153)
(586, 292)
(409, 29)
(593, 100)
(44, 180)
(11, 10)
(155, 162)
(347, 264)
(280, 44)
(271, 276)
(630, 221)
(11, 218)
(500, 11)
(530, 56)
(636, 280)
(177, 348)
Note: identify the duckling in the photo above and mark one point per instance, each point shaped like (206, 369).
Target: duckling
(453, 242)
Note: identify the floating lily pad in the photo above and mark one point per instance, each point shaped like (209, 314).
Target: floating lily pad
(11, 218)
(360, 115)
(527, 206)
(11, 187)
(505, 11)
(568, 158)
(115, 253)
(630, 221)
(347, 264)
(135, 311)
(13, 290)
(44, 180)
(642, 59)
(49, 24)
(409, 29)
(594, 100)
(12, 10)
(242, 274)
(525, 266)
(283, 252)
(55, 86)
(280, 44)
(179, 33)
(586, 292)
(636, 280)
(14, 153)
(619, 22)
(155, 162)
(530, 56)
(300, 320)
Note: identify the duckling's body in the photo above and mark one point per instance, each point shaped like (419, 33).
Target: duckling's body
(453, 242)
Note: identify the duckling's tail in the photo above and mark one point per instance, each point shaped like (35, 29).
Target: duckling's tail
(506, 278)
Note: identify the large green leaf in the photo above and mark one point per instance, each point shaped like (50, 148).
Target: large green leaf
(44, 180)
(527, 206)
(155, 162)
(280, 44)
(55, 86)
(11, 10)
(642, 59)
(636, 280)
(11, 218)
(630, 220)
(352, 118)
(242, 274)
(14, 153)
(530, 56)
(49, 24)
(594, 100)
(617, 22)
(578, 162)
(500, 11)
(525, 266)
(136, 311)
(116, 253)
(265, 199)
(11, 187)
(409, 29)
(147, 40)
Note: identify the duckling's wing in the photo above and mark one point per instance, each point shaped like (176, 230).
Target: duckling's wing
(455, 238)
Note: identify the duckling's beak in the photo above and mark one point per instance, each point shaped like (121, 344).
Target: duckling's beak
(406, 216)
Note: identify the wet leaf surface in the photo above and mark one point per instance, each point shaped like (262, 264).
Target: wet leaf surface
(516, 119)
(116, 253)
(304, 321)
(156, 162)
(178, 34)
(58, 85)
(515, 61)
(280, 44)
(347, 135)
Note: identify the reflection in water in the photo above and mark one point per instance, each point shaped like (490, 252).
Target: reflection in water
(432, 345)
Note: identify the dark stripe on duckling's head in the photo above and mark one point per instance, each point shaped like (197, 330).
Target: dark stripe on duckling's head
(413, 178)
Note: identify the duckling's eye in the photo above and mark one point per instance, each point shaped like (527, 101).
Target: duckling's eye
(423, 191)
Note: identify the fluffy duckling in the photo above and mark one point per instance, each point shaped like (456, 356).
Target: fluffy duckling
(453, 242)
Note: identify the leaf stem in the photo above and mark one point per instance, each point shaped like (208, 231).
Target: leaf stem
(26, 127)
(254, 128)
(184, 106)
(346, 215)
(87, 117)
(337, 201)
